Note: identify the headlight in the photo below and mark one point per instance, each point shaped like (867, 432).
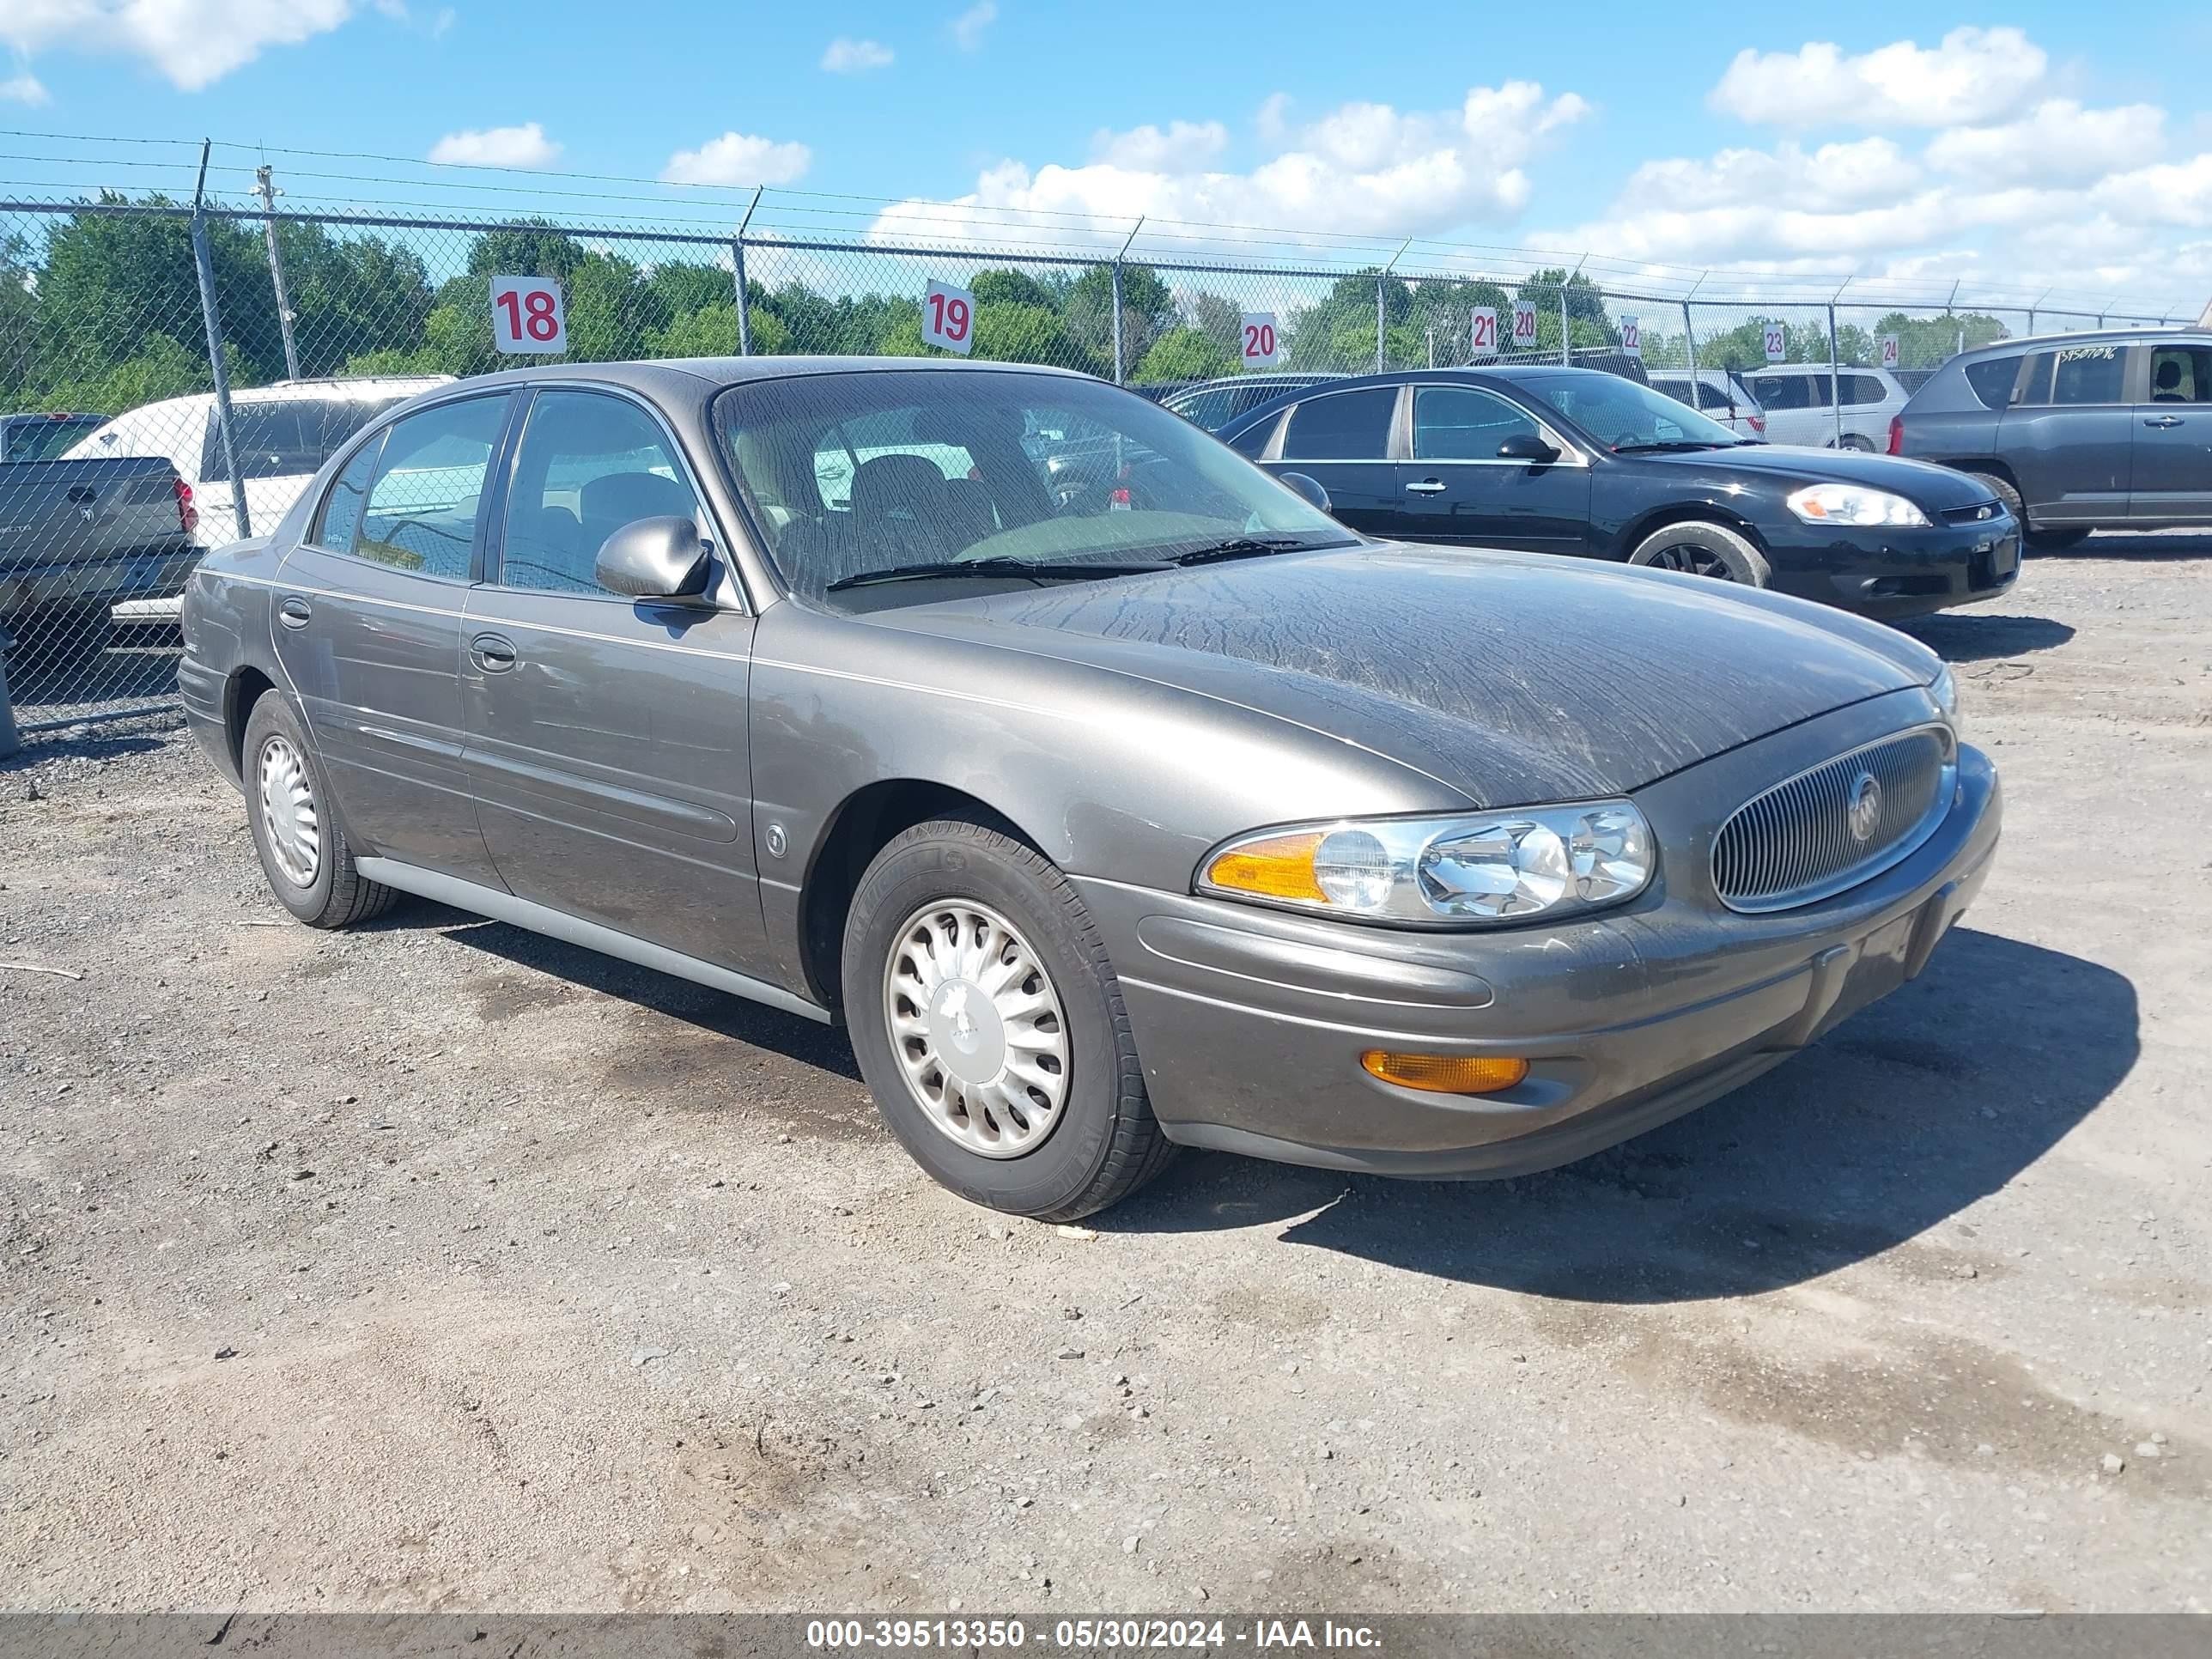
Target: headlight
(1945, 690)
(1486, 867)
(1835, 503)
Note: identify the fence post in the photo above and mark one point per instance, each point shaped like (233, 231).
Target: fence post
(738, 274)
(1120, 375)
(264, 187)
(213, 319)
(9, 743)
(1690, 341)
(1835, 376)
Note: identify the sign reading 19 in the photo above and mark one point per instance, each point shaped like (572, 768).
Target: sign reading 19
(948, 318)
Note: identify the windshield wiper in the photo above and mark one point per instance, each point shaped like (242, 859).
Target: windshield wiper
(922, 572)
(1248, 547)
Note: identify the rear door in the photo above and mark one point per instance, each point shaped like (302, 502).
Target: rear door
(1457, 489)
(2069, 434)
(367, 625)
(607, 737)
(2170, 479)
(1343, 439)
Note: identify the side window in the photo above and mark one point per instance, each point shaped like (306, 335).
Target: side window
(1459, 424)
(588, 464)
(1343, 426)
(1252, 441)
(341, 514)
(2181, 374)
(1992, 379)
(2089, 374)
(1782, 391)
(421, 513)
(2035, 385)
(1861, 389)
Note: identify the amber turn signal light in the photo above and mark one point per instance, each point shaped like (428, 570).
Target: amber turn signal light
(1445, 1074)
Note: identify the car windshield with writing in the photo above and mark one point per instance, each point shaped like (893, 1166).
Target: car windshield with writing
(1628, 418)
(927, 477)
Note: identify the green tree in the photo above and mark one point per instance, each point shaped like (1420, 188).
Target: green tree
(611, 311)
(684, 286)
(534, 247)
(1012, 288)
(1148, 311)
(1184, 354)
(712, 331)
(1024, 334)
(350, 296)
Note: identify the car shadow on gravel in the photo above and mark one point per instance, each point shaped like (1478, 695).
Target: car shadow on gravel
(732, 1016)
(1958, 638)
(2133, 545)
(1905, 1115)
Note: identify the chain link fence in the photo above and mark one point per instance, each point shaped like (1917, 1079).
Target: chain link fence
(171, 377)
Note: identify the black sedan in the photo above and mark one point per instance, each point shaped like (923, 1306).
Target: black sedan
(1569, 460)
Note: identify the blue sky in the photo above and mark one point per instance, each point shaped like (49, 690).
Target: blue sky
(2062, 144)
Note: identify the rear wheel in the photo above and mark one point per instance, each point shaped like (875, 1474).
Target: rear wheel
(1699, 547)
(988, 1023)
(304, 854)
(1855, 441)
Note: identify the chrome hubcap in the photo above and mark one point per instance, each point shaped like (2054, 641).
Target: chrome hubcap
(288, 821)
(978, 1028)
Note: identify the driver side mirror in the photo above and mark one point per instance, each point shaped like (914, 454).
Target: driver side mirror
(1307, 488)
(1528, 447)
(654, 559)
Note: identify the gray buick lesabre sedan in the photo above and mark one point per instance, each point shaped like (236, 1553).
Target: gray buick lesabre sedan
(1111, 806)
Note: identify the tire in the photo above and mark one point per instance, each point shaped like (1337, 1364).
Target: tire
(1854, 440)
(1015, 1143)
(2008, 497)
(287, 809)
(1700, 547)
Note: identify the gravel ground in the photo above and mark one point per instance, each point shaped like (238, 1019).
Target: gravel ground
(437, 1265)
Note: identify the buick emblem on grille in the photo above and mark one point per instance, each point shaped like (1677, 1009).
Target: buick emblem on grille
(1863, 815)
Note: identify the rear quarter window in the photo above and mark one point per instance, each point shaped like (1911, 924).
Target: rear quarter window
(1992, 379)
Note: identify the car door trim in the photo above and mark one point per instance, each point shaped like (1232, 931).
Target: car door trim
(557, 924)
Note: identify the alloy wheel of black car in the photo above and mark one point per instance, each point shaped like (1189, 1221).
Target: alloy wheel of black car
(1698, 547)
(990, 1025)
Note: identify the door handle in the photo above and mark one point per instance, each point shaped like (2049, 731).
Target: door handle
(1427, 486)
(493, 653)
(2162, 422)
(294, 611)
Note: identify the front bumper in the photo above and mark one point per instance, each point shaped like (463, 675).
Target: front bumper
(1251, 1023)
(1888, 571)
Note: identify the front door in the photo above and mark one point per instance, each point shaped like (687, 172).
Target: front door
(1457, 488)
(2170, 480)
(367, 614)
(607, 737)
(1343, 439)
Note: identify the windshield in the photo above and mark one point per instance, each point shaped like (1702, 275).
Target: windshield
(1626, 416)
(850, 474)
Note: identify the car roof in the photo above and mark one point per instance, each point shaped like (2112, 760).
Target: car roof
(1503, 374)
(667, 375)
(2084, 337)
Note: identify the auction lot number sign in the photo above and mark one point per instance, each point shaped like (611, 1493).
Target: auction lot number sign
(948, 318)
(1262, 345)
(528, 316)
(1778, 341)
(1524, 325)
(1482, 332)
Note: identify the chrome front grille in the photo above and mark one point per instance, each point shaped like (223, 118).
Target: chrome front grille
(1837, 824)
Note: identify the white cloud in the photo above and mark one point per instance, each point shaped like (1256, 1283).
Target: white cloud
(1182, 147)
(1835, 175)
(1972, 76)
(443, 22)
(524, 146)
(1362, 169)
(1273, 121)
(25, 89)
(193, 42)
(2058, 142)
(847, 56)
(739, 158)
(967, 27)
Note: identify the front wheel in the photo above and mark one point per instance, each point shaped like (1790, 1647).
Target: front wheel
(988, 1023)
(1699, 547)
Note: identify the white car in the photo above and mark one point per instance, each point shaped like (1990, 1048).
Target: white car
(1722, 397)
(281, 433)
(1801, 409)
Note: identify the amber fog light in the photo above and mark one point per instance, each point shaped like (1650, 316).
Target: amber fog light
(1445, 1074)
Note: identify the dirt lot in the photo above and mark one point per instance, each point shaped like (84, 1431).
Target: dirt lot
(438, 1265)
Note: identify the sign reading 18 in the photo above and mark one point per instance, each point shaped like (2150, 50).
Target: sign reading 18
(527, 316)
(530, 313)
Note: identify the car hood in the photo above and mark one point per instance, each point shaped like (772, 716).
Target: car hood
(1936, 488)
(1510, 678)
